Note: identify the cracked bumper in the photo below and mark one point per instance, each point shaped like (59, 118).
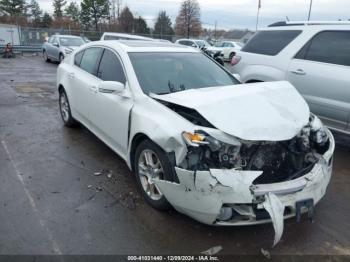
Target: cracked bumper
(202, 194)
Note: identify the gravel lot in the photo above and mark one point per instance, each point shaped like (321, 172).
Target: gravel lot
(52, 203)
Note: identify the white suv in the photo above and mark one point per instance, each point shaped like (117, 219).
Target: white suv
(313, 56)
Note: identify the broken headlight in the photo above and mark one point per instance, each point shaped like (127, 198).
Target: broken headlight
(194, 139)
(318, 132)
(205, 151)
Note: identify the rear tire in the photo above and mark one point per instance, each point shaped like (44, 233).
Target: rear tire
(231, 56)
(152, 162)
(60, 58)
(65, 111)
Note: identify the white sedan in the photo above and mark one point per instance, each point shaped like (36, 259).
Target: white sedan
(198, 140)
(228, 48)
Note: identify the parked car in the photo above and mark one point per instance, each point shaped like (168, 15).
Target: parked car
(229, 48)
(313, 56)
(59, 46)
(222, 152)
(196, 43)
(122, 36)
(86, 40)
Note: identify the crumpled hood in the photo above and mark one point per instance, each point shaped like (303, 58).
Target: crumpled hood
(268, 111)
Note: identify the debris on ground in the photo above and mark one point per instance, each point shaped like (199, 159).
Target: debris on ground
(128, 200)
(212, 251)
(104, 172)
(266, 253)
(89, 186)
(98, 189)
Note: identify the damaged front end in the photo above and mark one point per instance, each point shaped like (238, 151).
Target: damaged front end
(228, 181)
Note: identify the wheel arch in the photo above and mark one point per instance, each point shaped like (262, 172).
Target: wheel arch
(136, 140)
(253, 81)
(261, 73)
(61, 88)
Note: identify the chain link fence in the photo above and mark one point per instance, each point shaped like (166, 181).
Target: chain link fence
(28, 36)
(37, 36)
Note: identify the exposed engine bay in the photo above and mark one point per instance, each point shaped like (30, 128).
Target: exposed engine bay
(247, 155)
(279, 161)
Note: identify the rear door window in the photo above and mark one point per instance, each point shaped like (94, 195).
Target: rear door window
(270, 42)
(186, 42)
(110, 68)
(331, 47)
(78, 57)
(91, 59)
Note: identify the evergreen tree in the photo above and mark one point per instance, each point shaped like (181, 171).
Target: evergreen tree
(58, 8)
(93, 11)
(163, 26)
(13, 7)
(47, 20)
(72, 11)
(35, 12)
(140, 26)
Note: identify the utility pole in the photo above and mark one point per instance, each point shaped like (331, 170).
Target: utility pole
(216, 23)
(308, 18)
(119, 6)
(257, 16)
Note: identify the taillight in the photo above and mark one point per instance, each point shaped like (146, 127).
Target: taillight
(235, 60)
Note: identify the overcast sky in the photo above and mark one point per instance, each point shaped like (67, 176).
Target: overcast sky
(238, 13)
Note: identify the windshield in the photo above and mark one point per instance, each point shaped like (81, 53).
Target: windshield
(70, 41)
(219, 44)
(163, 73)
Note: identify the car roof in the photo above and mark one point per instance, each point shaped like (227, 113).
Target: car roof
(308, 27)
(127, 36)
(190, 39)
(68, 36)
(145, 46)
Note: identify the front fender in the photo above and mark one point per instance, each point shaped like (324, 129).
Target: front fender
(163, 126)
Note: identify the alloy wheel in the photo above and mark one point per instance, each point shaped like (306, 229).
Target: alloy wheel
(149, 168)
(64, 106)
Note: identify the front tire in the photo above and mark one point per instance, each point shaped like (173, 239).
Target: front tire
(65, 111)
(45, 57)
(152, 162)
(60, 58)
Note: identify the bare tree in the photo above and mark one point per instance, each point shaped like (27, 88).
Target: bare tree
(188, 21)
(116, 6)
(126, 21)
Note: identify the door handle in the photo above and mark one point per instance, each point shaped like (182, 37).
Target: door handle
(300, 72)
(71, 75)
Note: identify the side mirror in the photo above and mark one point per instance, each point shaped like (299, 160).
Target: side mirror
(193, 45)
(111, 87)
(56, 44)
